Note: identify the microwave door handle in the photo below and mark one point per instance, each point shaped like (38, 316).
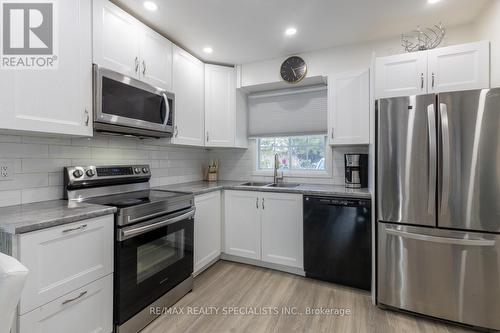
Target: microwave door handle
(126, 234)
(167, 106)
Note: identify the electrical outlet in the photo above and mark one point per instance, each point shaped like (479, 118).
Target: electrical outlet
(6, 170)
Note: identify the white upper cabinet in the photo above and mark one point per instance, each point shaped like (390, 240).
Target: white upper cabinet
(116, 39)
(207, 230)
(242, 229)
(282, 229)
(452, 68)
(401, 75)
(58, 100)
(349, 108)
(188, 85)
(460, 67)
(156, 59)
(125, 45)
(220, 106)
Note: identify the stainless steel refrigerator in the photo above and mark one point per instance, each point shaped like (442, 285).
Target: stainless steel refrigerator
(438, 205)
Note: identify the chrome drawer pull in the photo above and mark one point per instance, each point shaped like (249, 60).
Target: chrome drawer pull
(83, 293)
(83, 226)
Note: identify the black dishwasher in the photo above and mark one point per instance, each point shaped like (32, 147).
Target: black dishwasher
(337, 240)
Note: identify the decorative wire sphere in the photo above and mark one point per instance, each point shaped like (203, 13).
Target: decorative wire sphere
(423, 39)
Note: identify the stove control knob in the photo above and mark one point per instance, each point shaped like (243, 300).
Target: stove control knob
(77, 173)
(90, 173)
(145, 170)
(137, 170)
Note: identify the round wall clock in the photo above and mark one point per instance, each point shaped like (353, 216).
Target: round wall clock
(293, 69)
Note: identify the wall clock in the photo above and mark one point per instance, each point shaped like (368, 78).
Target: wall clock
(293, 69)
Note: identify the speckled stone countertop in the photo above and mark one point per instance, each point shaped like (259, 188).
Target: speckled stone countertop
(35, 216)
(201, 187)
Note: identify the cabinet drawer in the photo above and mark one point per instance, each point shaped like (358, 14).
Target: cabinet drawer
(85, 310)
(64, 258)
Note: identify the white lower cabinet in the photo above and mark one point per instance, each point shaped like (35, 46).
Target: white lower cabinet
(207, 230)
(70, 284)
(64, 258)
(86, 310)
(242, 224)
(264, 226)
(282, 229)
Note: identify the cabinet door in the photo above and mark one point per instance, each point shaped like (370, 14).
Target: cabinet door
(188, 85)
(282, 229)
(207, 229)
(84, 310)
(349, 108)
(220, 93)
(401, 75)
(116, 39)
(55, 101)
(460, 67)
(156, 59)
(62, 259)
(242, 229)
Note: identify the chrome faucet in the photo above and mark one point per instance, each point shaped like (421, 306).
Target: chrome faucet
(277, 178)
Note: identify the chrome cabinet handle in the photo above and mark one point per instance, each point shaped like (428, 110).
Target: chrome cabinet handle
(445, 137)
(83, 226)
(83, 293)
(176, 131)
(433, 79)
(422, 81)
(431, 128)
(87, 119)
(263, 207)
(332, 132)
(207, 136)
(143, 67)
(136, 64)
(257, 203)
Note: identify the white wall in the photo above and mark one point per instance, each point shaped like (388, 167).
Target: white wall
(488, 28)
(343, 58)
(39, 162)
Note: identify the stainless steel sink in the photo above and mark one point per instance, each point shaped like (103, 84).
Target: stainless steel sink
(256, 184)
(284, 185)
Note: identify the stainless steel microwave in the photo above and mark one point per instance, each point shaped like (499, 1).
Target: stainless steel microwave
(125, 105)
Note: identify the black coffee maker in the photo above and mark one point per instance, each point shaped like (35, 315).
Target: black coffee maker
(356, 170)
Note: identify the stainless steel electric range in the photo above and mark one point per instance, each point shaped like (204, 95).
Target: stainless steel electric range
(153, 238)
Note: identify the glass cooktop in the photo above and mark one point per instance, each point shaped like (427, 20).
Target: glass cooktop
(130, 199)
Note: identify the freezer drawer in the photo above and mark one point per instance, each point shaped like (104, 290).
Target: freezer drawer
(445, 274)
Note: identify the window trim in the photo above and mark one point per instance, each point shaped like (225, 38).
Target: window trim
(327, 173)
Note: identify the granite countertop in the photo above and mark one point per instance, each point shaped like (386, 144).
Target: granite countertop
(35, 216)
(201, 187)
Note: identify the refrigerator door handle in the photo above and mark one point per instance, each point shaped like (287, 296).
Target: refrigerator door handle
(445, 137)
(392, 230)
(431, 127)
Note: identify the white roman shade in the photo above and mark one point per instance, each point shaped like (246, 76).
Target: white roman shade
(301, 111)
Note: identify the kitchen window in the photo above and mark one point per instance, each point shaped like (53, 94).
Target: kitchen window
(301, 154)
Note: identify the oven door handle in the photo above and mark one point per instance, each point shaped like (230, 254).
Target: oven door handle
(126, 234)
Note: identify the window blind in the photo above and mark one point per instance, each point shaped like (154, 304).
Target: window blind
(292, 112)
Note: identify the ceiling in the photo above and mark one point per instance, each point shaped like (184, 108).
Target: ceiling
(241, 31)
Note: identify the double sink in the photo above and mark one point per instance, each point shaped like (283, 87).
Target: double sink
(262, 184)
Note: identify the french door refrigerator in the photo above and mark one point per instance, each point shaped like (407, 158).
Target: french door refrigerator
(438, 205)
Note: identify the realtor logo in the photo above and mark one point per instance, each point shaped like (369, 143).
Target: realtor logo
(28, 35)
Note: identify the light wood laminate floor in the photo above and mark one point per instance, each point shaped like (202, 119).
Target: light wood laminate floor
(227, 286)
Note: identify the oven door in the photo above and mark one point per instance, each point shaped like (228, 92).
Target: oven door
(151, 258)
(124, 101)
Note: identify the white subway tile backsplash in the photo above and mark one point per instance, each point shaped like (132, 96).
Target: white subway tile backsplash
(39, 162)
(19, 150)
